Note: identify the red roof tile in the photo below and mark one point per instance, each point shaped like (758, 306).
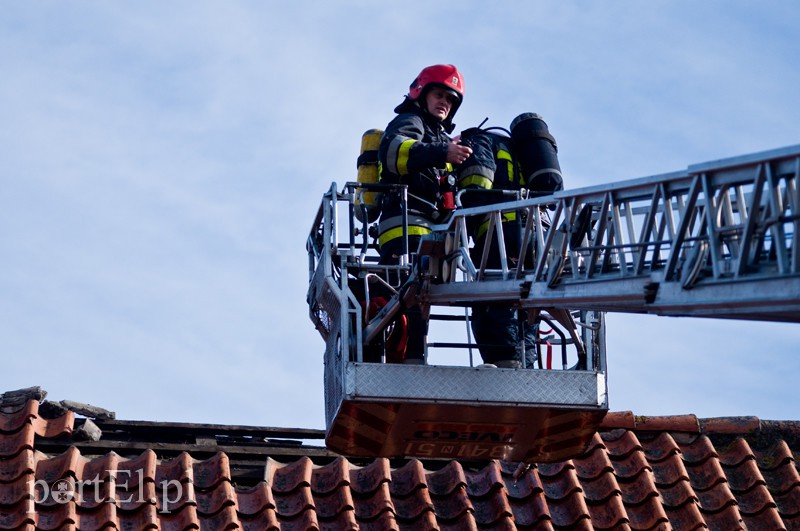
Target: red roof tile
(675, 472)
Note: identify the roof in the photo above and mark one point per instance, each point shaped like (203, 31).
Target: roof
(676, 472)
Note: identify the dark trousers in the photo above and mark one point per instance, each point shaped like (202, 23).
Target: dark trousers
(500, 329)
(417, 326)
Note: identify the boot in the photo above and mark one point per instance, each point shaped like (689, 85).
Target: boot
(508, 364)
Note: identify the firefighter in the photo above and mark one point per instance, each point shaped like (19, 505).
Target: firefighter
(416, 150)
(489, 171)
(525, 160)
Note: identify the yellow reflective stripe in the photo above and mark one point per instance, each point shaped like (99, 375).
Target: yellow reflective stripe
(477, 180)
(507, 216)
(402, 156)
(448, 167)
(397, 232)
(505, 155)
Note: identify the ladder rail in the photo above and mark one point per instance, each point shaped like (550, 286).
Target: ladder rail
(732, 222)
(719, 239)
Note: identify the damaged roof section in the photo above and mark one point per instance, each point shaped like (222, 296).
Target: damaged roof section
(638, 472)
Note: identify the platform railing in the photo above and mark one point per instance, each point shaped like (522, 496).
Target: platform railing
(718, 239)
(343, 260)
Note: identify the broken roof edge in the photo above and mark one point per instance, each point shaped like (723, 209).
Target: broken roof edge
(683, 423)
(56, 423)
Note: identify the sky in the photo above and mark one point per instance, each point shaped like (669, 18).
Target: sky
(162, 163)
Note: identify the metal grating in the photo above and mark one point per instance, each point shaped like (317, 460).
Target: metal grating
(325, 306)
(333, 378)
(475, 385)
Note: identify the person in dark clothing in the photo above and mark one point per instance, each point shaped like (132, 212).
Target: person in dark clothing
(526, 160)
(416, 150)
(491, 174)
(497, 326)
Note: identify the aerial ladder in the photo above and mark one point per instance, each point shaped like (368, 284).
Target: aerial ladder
(717, 240)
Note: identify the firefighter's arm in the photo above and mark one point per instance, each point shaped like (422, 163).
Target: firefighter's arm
(402, 150)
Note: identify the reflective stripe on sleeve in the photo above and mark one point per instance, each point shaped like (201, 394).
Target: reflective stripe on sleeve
(397, 155)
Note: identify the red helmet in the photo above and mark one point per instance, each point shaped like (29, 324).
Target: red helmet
(445, 76)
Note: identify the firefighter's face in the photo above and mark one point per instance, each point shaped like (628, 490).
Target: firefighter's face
(439, 102)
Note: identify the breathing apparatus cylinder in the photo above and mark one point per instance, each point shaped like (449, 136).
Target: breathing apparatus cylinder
(368, 202)
(536, 152)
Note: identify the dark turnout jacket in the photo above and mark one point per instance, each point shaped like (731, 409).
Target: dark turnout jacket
(412, 151)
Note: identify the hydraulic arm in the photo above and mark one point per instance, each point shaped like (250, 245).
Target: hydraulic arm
(719, 239)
